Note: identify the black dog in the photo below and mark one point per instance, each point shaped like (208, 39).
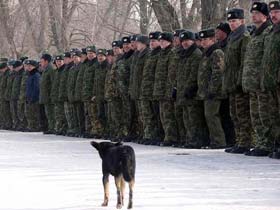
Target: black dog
(119, 161)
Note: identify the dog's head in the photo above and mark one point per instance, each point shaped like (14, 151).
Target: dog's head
(103, 147)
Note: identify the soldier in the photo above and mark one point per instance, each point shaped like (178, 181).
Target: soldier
(8, 93)
(251, 77)
(62, 92)
(60, 119)
(269, 107)
(89, 108)
(149, 108)
(16, 85)
(110, 56)
(32, 109)
(142, 43)
(98, 90)
(209, 81)
(232, 81)
(221, 34)
(198, 41)
(45, 91)
(163, 90)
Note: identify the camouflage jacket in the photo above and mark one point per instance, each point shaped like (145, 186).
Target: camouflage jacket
(10, 80)
(253, 59)
(55, 85)
(162, 76)
(135, 85)
(71, 82)
(17, 85)
(22, 95)
(124, 70)
(80, 81)
(186, 76)
(234, 58)
(133, 61)
(62, 89)
(270, 74)
(3, 84)
(45, 85)
(99, 80)
(88, 80)
(148, 77)
(210, 74)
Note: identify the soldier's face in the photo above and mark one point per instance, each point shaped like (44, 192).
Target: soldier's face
(220, 35)
(207, 42)
(29, 67)
(198, 42)
(140, 46)
(101, 58)
(110, 59)
(59, 63)
(187, 43)
(83, 57)
(275, 16)
(258, 17)
(67, 60)
(91, 55)
(126, 47)
(44, 63)
(235, 23)
(76, 59)
(154, 43)
(176, 42)
(164, 44)
(117, 50)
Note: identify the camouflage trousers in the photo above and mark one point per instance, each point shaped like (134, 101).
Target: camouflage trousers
(21, 115)
(264, 117)
(14, 113)
(136, 127)
(32, 113)
(150, 119)
(195, 124)
(168, 120)
(240, 114)
(115, 118)
(60, 119)
(71, 117)
(101, 117)
(79, 110)
(127, 115)
(179, 110)
(49, 111)
(213, 119)
(95, 123)
(88, 126)
(6, 118)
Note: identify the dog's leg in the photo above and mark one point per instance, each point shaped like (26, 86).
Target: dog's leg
(118, 186)
(130, 202)
(122, 189)
(106, 189)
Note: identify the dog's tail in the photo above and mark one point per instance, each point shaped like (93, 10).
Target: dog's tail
(128, 163)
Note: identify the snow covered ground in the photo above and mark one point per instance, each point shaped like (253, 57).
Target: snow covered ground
(47, 172)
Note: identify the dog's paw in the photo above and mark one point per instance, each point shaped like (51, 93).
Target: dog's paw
(105, 203)
(129, 206)
(119, 206)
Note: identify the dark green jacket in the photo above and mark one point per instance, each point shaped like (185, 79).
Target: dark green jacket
(55, 85)
(99, 80)
(22, 95)
(88, 80)
(62, 90)
(3, 84)
(16, 87)
(46, 85)
(10, 80)
(80, 81)
(71, 82)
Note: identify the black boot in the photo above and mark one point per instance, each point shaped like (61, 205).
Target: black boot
(257, 152)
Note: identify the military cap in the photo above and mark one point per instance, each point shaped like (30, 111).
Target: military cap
(102, 51)
(31, 62)
(73, 50)
(187, 35)
(59, 57)
(177, 32)
(235, 13)
(46, 57)
(133, 37)
(17, 63)
(11, 62)
(110, 52)
(117, 43)
(3, 65)
(260, 7)
(77, 53)
(154, 35)
(143, 39)
(23, 58)
(224, 27)
(167, 36)
(274, 5)
(2, 60)
(84, 51)
(126, 40)
(91, 49)
(67, 55)
(207, 33)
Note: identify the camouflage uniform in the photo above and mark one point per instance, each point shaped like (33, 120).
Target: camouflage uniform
(162, 93)
(5, 106)
(22, 102)
(15, 97)
(193, 111)
(8, 93)
(232, 84)
(210, 90)
(151, 121)
(269, 79)
(60, 119)
(45, 96)
(251, 84)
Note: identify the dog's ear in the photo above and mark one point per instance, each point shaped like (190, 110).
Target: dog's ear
(119, 143)
(95, 145)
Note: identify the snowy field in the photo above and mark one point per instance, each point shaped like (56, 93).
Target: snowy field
(47, 172)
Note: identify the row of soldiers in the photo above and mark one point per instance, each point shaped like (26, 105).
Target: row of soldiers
(218, 88)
